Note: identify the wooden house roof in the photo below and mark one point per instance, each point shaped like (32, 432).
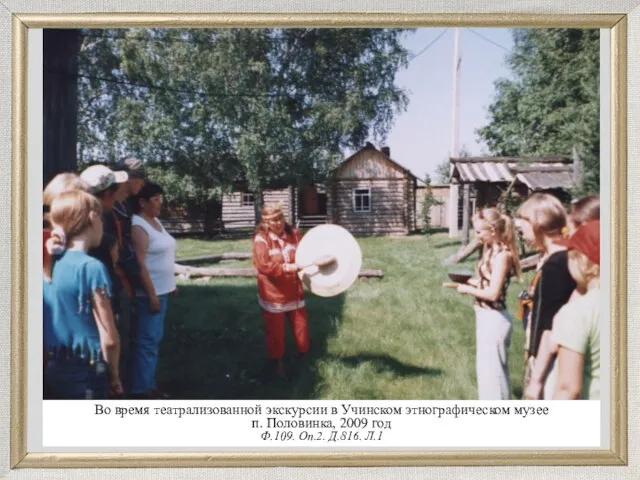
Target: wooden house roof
(541, 173)
(369, 146)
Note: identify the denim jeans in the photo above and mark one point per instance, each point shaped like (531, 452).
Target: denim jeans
(75, 380)
(149, 330)
(123, 313)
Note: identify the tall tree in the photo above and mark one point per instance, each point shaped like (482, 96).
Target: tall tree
(552, 102)
(60, 66)
(274, 107)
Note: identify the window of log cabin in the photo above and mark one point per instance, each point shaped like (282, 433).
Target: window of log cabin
(247, 199)
(361, 199)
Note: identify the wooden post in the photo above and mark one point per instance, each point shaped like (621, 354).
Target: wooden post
(455, 141)
(577, 169)
(465, 214)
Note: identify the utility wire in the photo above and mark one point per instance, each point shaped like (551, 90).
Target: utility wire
(488, 40)
(429, 45)
(205, 94)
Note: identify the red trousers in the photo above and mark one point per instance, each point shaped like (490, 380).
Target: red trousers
(274, 328)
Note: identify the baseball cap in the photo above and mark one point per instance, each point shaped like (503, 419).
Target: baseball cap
(586, 240)
(134, 167)
(100, 177)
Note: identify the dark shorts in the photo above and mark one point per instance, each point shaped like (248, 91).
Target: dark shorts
(73, 380)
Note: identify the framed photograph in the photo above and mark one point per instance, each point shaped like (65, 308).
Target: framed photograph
(318, 239)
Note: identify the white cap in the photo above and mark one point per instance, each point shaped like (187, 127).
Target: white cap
(100, 177)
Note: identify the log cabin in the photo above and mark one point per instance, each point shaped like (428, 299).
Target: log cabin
(372, 194)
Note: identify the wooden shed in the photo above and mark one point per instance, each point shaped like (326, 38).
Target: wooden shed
(490, 176)
(371, 194)
(238, 211)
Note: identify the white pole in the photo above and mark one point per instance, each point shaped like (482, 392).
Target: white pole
(455, 137)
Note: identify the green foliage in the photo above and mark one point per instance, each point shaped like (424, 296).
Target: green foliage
(429, 201)
(552, 102)
(443, 171)
(182, 189)
(271, 107)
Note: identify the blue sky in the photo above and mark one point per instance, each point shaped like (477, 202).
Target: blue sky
(421, 136)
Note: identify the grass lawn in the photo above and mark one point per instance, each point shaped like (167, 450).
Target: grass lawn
(400, 337)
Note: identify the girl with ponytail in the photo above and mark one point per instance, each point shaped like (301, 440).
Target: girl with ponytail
(498, 264)
(63, 182)
(81, 342)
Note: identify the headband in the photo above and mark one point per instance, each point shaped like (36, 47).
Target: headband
(270, 216)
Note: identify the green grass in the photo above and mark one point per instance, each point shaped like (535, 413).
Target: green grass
(400, 337)
(190, 248)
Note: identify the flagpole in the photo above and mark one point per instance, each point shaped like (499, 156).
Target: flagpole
(455, 137)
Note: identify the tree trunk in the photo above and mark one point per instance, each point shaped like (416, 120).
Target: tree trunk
(258, 203)
(465, 252)
(216, 258)
(212, 217)
(60, 90)
(247, 272)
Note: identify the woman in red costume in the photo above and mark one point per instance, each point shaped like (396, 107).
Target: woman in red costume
(280, 292)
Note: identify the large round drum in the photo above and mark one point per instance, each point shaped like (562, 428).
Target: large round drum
(335, 278)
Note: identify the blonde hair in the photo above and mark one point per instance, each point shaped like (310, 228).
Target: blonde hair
(502, 224)
(63, 182)
(546, 214)
(584, 267)
(585, 209)
(70, 216)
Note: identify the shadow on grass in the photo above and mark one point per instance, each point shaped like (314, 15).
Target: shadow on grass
(214, 345)
(383, 362)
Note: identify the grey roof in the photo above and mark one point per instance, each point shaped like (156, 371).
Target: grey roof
(537, 174)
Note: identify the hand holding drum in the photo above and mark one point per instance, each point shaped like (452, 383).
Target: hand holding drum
(330, 260)
(320, 262)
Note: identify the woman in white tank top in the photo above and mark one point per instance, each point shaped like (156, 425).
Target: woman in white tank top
(155, 249)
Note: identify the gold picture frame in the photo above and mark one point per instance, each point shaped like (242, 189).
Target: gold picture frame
(618, 453)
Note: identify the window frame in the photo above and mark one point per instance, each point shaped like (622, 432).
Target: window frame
(243, 202)
(358, 192)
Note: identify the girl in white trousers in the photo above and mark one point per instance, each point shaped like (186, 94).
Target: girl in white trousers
(493, 323)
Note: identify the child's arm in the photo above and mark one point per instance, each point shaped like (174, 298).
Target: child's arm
(500, 268)
(542, 364)
(570, 375)
(109, 337)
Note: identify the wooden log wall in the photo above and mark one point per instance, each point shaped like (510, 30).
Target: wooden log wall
(388, 215)
(238, 216)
